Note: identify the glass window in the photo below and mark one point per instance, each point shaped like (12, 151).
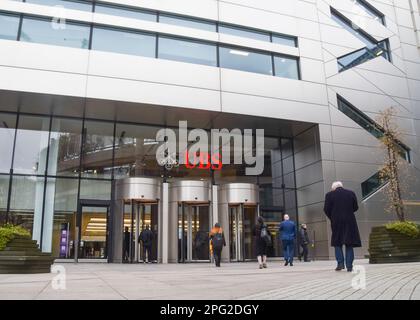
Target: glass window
(9, 26)
(125, 42)
(98, 143)
(245, 33)
(368, 40)
(95, 189)
(135, 151)
(31, 145)
(7, 137)
(26, 203)
(187, 51)
(65, 144)
(76, 5)
(64, 220)
(369, 125)
(286, 67)
(285, 40)
(244, 60)
(371, 185)
(361, 7)
(187, 22)
(125, 12)
(47, 32)
(4, 192)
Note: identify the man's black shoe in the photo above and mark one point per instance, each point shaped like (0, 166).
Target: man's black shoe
(286, 263)
(339, 268)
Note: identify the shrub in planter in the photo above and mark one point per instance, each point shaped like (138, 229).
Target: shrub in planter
(10, 232)
(20, 254)
(395, 242)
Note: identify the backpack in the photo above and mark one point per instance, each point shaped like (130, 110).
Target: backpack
(217, 240)
(265, 235)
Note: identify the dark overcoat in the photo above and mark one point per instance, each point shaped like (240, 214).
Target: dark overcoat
(340, 206)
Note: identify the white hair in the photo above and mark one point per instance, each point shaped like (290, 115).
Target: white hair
(336, 184)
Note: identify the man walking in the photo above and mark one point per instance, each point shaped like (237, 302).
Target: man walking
(340, 206)
(303, 242)
(217, 242)
(288, 235)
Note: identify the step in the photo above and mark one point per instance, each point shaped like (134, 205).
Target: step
(24, 253)
(25, 270)
(23, 240)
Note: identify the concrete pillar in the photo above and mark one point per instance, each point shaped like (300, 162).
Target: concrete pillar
(39, 187)
(214, 204)
(165, 222)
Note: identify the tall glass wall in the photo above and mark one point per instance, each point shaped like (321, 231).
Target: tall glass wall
(49, 164)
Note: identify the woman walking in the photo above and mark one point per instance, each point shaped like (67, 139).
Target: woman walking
(262, 241)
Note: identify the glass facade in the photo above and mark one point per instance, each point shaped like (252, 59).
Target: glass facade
(286, 67)
(59, 163)
(285, 40)
(126, 42)
(245, 60)
(187, 22)
(68, 4)
(125, 12)
(9, 26)
(244, 32)
(49, 32)
(187, 51)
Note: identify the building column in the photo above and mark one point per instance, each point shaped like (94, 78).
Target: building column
(165, 222)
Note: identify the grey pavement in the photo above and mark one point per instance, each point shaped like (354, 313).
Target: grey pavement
(313, 280)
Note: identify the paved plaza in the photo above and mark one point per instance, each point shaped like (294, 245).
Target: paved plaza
(314, 280)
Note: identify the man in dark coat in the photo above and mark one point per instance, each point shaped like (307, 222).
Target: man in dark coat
(304, 242)
(340, 206)
(146, 236)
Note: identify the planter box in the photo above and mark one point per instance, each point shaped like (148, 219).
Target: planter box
(22, 255)
(389, 246)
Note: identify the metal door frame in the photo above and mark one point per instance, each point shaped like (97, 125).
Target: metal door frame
(187, 212)
(108, 236)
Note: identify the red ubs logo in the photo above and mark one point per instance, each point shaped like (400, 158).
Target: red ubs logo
(204, 161)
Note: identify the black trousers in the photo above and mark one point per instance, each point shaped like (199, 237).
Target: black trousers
(217, 253)
(304, 251)
(147, 249)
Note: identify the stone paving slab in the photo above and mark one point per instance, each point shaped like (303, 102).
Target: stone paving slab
(315, 280)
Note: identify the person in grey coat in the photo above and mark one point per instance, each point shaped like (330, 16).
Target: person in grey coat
(340, 206)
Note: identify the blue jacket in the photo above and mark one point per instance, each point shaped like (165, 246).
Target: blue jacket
(287, 230)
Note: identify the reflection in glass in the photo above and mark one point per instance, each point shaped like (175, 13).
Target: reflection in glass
(286, 67)
(75, 5)
(245, 60)
(285, 40)
(125, 12)
(4, 191)
(31, 145)
(7, 137)
(44, 31)
(26, 203)
(9, 26)
(187, 51)
(187, 22)
(65, 144)
(244, 32)
(98, 143)
(64, 221)
(135, 151)
(126, 42)
(95, 189)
